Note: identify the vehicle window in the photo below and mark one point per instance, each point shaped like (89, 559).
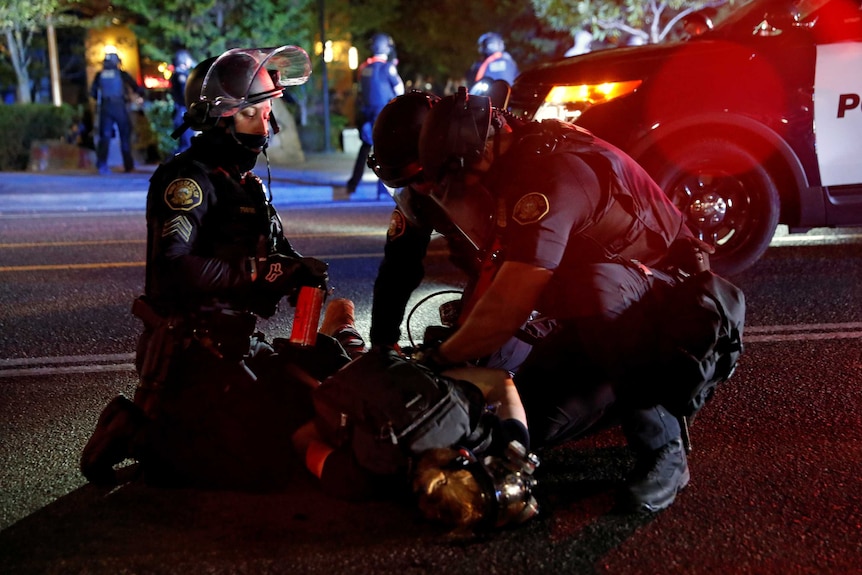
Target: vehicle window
(744, 18)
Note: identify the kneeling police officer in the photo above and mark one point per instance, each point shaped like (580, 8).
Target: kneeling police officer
(217, 258)
(580, 233)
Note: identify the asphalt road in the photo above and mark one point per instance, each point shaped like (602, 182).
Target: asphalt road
(775, 469)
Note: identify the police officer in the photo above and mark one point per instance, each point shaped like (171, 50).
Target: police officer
(581, 232)
(419, 212)
(183, 64)
(379, 82)
(416, 215)
(496, 63)
(109, 90)
(217, 259)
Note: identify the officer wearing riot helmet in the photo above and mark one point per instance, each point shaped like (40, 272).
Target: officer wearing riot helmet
(418, 213)
(496, 63)
(217, 257)
(109, 90)
(183, 64)
(216, 245)
(379, 82)
(580, 232)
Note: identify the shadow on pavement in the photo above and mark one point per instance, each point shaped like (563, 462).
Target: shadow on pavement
(139, 529)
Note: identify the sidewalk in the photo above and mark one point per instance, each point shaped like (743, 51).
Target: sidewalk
(320, 179)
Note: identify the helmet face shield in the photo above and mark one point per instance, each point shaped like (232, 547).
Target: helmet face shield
(454, 133)
(244, 77)
(396, 138)
(470, 207)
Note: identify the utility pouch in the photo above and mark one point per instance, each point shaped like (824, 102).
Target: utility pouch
(159, 342)
(227, 334)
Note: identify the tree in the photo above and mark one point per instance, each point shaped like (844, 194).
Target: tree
(438, 39)
(209, 27)
(20, 21)
(648, 21)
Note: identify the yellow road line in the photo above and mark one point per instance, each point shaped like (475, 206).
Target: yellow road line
(108, 265)
(138, 241)
(55, 267)
(67, 244)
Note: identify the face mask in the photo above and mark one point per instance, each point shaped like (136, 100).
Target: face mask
(247, 149)
(254, 142)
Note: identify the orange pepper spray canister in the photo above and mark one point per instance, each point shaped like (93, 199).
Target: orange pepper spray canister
(307, 316)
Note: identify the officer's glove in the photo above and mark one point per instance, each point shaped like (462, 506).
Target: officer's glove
(311, 273)
(277, 274)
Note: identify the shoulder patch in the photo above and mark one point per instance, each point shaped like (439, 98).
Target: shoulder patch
(531, 208)
(183, 194)
(397, 224)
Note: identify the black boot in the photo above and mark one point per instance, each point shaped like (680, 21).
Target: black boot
(111, 441)
(657, 478)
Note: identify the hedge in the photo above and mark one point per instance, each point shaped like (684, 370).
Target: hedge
(20, 124)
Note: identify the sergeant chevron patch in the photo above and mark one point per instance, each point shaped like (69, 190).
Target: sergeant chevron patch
(179, 226)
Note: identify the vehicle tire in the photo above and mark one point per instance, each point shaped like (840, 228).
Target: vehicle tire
(728, 196)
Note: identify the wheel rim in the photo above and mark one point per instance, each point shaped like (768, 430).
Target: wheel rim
(717, 207)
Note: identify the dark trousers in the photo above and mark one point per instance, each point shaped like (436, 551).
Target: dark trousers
(227, 423)
(219, 426)
(584, 372)
(359, 167)
(111, 114)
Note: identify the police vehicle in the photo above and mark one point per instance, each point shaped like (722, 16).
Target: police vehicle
(753, 123)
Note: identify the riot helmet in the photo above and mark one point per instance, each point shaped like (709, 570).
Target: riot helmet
(220, 87)
(396, 138)
(382, 44)
(243, 77)
(197, 116)
(491, 42)
(454, 133)
(112, 61)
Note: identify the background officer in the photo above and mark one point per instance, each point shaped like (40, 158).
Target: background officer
(577, 222)
(496, 63)
(379, 82)
(183, 64)
(109, 90)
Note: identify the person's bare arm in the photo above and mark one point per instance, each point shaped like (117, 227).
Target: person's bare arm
(498, 388)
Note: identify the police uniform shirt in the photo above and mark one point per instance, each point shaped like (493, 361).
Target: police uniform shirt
(497, 66)
(581, 208)
(204, 223)
(378, 78)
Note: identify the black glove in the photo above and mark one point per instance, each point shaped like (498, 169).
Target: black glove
(313, 273)
(278, 274)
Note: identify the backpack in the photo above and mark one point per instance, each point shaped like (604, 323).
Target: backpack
(699, 322)
(388, 408)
